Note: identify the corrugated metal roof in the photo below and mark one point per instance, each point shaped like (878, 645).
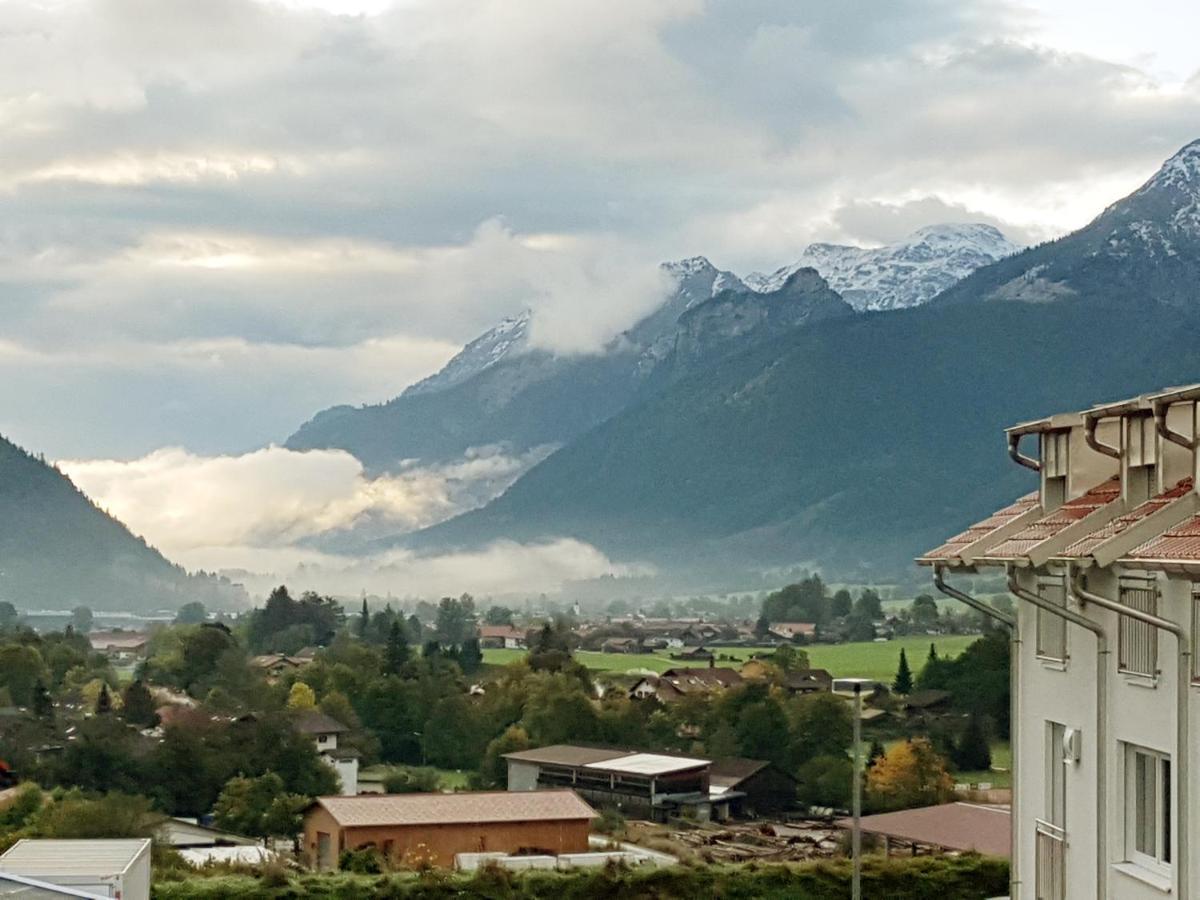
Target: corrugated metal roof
(1090, 542)
(1055, 522)
(1178, 544)
(953, 826)
(566, 755)
(72, 857)
(980, 530)
(450, 809)
(648, 764)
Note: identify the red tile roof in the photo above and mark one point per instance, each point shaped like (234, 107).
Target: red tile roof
(1053, 523)
(376, 810)
(1179, 544)
(979, 530)
(1087, 544)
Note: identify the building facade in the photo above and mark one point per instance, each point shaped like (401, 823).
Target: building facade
(1103, 560)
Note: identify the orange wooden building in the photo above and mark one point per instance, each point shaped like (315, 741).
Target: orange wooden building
(408, 827)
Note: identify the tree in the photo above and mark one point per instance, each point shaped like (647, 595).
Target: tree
(972, 752)
(364, 620)
(191, 613)
(924, 611)
(494, 768)
(558, 711)
(841, 604)
(470, 657)
(8, 614)
(822, 725)
(104, 700)
(722, 742)
(75, 816)
(81, 619)
(137, 707)
(42, 705)
(762, 732)
(910, 774)
(903, 682)
(825, 781)
(251, 806)
(868, 605)
(412, 780)
(301, 697)
(805, 601)
(498, 615)
(396, 653)
(455, 620)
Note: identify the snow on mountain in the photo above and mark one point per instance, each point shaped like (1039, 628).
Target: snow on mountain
(509, 337)
(906, 273)
(1162, 212)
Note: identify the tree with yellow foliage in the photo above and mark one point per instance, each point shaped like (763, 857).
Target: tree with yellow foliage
(910, 774)
(301, 697)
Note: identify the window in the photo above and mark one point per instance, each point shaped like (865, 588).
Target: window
(1052, 629)
(1195, 632)
(1056, 776)
(1147, 807)
(1137, 642)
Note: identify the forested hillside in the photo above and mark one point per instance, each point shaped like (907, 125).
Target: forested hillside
(58, 550)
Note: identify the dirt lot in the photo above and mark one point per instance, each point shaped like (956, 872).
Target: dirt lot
(740, 841)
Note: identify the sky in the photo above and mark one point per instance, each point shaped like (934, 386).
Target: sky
(218, 217)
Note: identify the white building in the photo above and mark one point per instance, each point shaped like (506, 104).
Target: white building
(324, 730)
(94, 868)
(1104, 560)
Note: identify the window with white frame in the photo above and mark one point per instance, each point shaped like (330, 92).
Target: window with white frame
(1137, 642)
(1052, 629)
(1147, 807)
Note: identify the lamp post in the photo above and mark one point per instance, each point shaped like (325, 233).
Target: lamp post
(856, 810)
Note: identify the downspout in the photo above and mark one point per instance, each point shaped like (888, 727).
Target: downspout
(1182, 684)
(1164, 430)
(1014, 718)
(1101, 717)
(1014, 451)
(1089, 434)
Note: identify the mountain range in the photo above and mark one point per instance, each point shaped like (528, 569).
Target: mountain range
(853, 442)
(58, 550)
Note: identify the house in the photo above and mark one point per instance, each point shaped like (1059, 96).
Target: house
(621, 645)
(650, 785)
(505, 637)
(200, 845)
(436, 827)
(276, 664)
(694, 654)
(674, 684)
(1103, 559)
(790, 631)
(324, 730)
(96, 868)
(121, 647)
(929, 702)
(808, 681)
(764, 788)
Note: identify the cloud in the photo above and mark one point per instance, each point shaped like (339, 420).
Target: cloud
(277, 498)
(319, 175)
(265, 517)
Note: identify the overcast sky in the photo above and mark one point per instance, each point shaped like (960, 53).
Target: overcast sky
(219, 216)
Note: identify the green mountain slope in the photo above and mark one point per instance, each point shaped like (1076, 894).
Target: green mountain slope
(58, 550)
(856, 443)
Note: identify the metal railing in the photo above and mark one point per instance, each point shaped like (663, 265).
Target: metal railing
(1050, 864)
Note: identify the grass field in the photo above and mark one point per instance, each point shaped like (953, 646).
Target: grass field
(863, 660)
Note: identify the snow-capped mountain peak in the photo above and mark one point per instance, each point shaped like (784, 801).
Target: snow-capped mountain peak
(906, 273)
(508, 337)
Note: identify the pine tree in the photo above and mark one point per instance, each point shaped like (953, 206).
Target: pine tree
(904, 679)
(43, 706)
(364, 620)
(470, 656)
(933, 657)
(138, 705)
(104, 701)
(972, 753)
(396, 653)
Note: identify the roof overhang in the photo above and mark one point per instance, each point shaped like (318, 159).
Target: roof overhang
(1048, 549)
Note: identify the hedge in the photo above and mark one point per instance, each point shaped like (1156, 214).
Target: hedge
(964, 877)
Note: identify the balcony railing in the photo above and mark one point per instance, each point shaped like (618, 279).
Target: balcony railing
(1051, 868)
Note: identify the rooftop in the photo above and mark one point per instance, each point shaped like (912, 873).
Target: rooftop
(1090, 542)
(961, 541)
(952, 826)
(366, 810)
(316, 722)
(72, 857)
(1178, 545)
(1055, 523)
(648, 764)
(608, 759)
